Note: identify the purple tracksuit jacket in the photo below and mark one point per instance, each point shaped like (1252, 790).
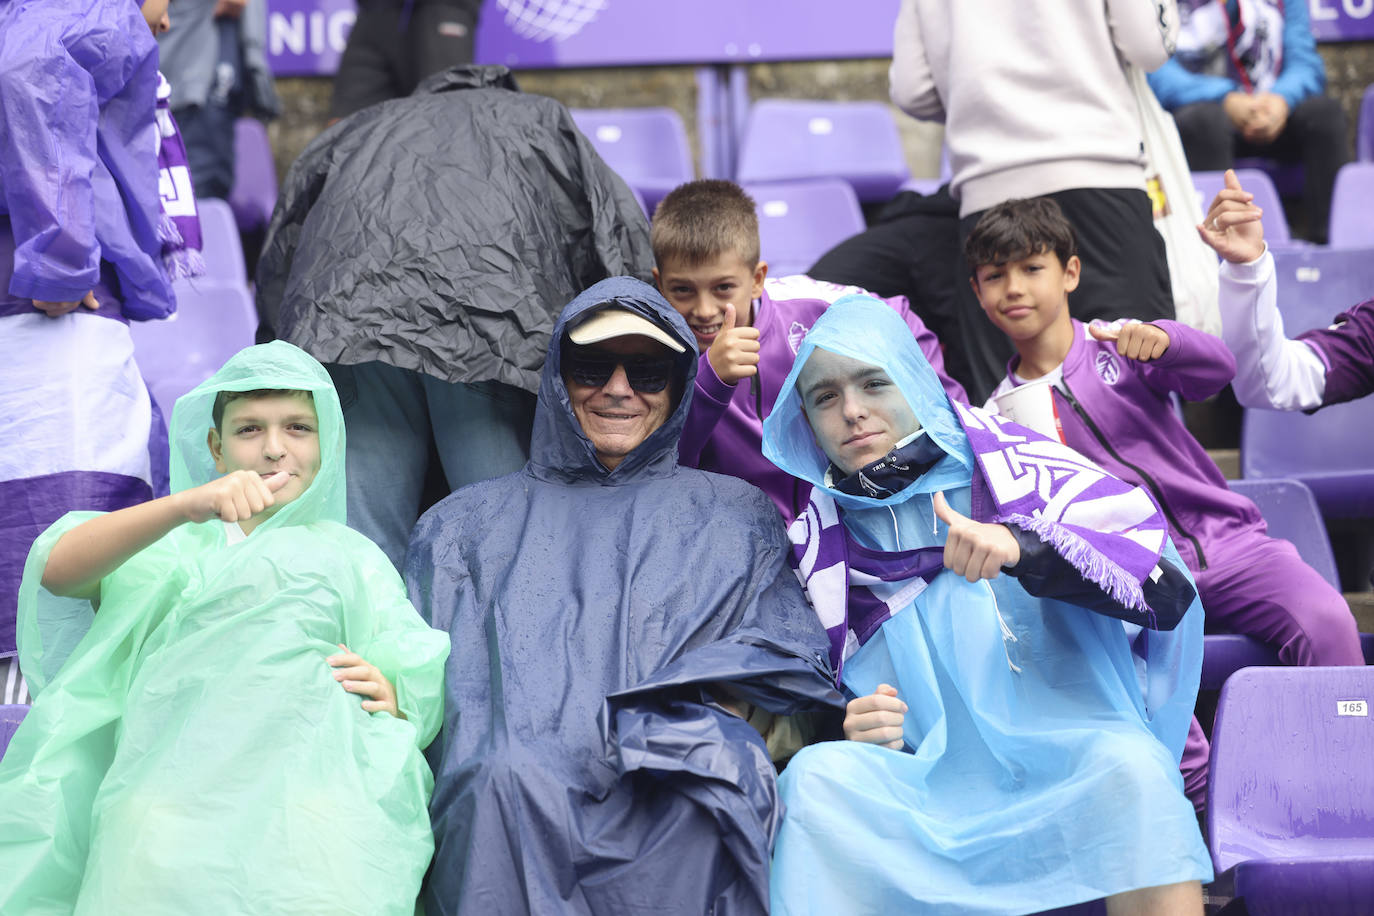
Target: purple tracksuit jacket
(1347, 349)
(724, 431)
(1117, 412)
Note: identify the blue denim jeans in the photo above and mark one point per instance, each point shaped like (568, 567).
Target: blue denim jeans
(391, 415)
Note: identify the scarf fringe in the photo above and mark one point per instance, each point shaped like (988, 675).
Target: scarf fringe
(183, 264)
(180, 262)
(1088, 560)
(168, 233)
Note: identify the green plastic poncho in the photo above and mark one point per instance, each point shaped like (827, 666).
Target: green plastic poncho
(189, 750)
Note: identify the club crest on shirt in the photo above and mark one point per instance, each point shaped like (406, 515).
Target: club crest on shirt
(795, 335)
(1107, 367)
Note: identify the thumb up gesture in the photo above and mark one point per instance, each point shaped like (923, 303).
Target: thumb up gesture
(975, 550)
(734, 354)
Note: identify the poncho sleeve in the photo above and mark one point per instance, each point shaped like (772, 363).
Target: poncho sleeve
(50, 107)
(51, 626)
(407, 650)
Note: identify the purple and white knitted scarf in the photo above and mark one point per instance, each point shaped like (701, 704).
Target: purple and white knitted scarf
(1110, 531)
(179, 224)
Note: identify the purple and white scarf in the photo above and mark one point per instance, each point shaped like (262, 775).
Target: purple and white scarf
(179, 224)
(1111, 532)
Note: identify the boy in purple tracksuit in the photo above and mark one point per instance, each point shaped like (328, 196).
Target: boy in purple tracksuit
(705, 236)
(1111, 385)
(1320, 367)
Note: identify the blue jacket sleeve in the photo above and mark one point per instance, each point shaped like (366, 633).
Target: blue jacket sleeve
(1304, 71)
(49, 109)
(1175, 86)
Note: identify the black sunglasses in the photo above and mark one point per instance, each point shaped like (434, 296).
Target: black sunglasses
(647, 374)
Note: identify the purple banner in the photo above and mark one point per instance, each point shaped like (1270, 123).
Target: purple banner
(306, 37)
(1342, 20)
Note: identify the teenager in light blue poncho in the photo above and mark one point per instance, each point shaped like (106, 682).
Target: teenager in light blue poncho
(1023, 757)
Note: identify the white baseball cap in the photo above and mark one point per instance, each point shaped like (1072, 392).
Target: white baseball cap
(621, 322)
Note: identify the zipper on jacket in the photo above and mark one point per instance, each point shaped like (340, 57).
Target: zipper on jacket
(1149, 481)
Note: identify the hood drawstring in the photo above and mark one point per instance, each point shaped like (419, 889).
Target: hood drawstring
(1007, 634)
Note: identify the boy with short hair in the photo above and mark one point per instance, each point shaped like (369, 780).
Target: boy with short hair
(705, 236)
(194, 661)
(1110, 390)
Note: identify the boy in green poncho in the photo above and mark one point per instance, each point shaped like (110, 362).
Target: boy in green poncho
(196, 742)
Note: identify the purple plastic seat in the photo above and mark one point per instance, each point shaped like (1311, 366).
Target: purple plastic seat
(1364, 130)
(1256, 182)
(923, 186)
(211, 324)
(801, 220)
(1223, 654)
(221, 246)
(1292, 514)
(255, 176)
(1352, 219)
(1290, 805)
(1317, 283)
(788, 140)
(645, 146)
(1328, 451)
(1287, 177)
(10, 717)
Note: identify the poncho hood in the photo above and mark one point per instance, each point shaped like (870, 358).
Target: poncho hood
(864, 328)
(559, 450)
(276, 365)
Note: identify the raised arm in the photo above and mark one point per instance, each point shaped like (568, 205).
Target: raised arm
(733, 358)
(94, 549)
(1271, 371)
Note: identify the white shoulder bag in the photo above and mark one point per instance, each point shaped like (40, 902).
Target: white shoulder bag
(1192, 265)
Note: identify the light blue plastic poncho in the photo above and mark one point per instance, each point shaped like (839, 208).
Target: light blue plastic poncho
(1031, 778)
(189, 750)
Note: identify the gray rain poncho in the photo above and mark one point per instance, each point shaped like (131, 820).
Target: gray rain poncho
(581, 768)
(189, 750)
(442, 232)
